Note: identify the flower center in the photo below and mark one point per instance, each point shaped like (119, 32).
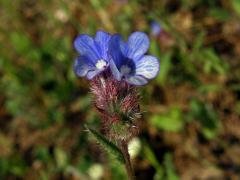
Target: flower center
(125, 69)
(101, 64)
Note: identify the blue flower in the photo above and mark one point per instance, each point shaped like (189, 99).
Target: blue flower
(155, 28)
(93, 57)
(128, 61)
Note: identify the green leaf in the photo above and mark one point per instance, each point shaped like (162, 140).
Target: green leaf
(170, 121)
(154, 48)
(212, 62)
(165, 67)
(236, 6)
(84, 163)
(60, 157)
(42, 154)
(20, 42)
(170, 170)
(206, 88)
(207, 117)
(150, 156)
(110, 147)
(198, 43)
(118, 171)
(219, 14)
(4, 167)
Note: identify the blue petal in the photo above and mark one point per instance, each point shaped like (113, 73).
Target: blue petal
(115, 72)
(102, 40)
(115, 51)
(92, 74)
(86, 46)
(147, 66)
(137, 45)
(81, 66)
(136, 80)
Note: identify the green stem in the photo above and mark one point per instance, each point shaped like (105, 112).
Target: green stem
(128, 166)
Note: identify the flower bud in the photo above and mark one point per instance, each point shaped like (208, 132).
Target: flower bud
(117, 103)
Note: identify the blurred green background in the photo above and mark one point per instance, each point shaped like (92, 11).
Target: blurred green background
(191, 122)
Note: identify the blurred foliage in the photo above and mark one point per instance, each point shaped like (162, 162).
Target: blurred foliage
(169, 121)
(207, 117)
(190, 127)
(150, 156)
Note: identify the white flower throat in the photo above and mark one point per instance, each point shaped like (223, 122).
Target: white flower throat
(125, 69)
(101, 64)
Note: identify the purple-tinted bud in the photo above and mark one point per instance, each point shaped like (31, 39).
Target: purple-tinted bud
(117, 103)
(155, 28)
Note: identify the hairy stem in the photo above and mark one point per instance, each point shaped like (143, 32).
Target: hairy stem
(128, 166)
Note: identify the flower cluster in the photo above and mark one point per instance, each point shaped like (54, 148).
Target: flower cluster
(115, 68)
(126, 60)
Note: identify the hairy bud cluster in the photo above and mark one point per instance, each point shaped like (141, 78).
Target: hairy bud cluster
(117, 103)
